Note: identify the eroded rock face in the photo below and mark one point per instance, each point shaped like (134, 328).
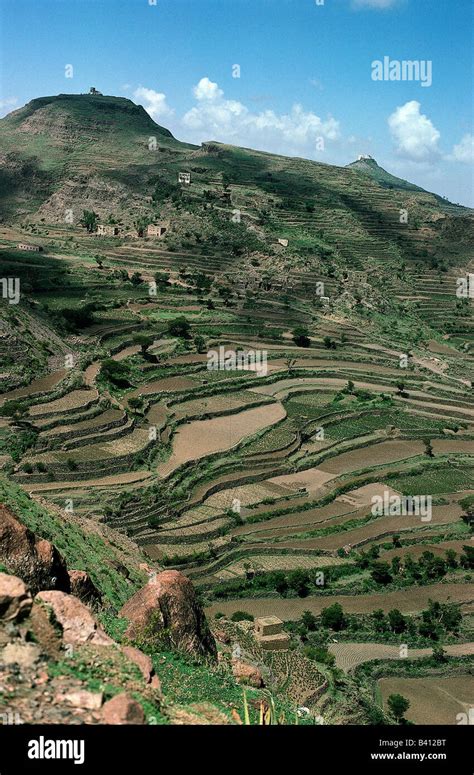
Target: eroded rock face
(15, 599)
(167, 607)
(74, 619)
(33, 559)
(122, 709)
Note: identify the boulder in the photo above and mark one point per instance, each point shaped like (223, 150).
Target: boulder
(83, 587)
(122, 709)
(25, 655)
(167, 609)
(15, 599)
(247, 674)
(75, 620)
(33, 559)
(143, 661)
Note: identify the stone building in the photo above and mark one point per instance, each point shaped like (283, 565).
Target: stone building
(283, 242)
(269, 634)
(105, 230)
(27, 246)
(157, 229)
(184, 177)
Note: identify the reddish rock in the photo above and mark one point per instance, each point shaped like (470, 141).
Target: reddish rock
(33, 559)
(167, 608)
(15, 599)
(141, 660)
(83, 587)
(81, 699)
(247, 674)
(222, 636)
(122, 709)
(74, 618)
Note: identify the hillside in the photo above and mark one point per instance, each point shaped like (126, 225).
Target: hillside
(138, 435)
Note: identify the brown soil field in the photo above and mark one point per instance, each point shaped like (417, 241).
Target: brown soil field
(72, 400)
(290, 521)
(91, 372)
(165, 384)
(383, 525)
(41, 385)
(126, 352)
(312, 479)
(374, 455)
(349, 655)
(410, 600)
(203, 437)
(105, 481)
(433, 700)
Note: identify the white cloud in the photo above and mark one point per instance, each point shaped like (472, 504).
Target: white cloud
(378, 4)
(207, 90)
(154, 102)
(7, 105)
(415, 136)
(464, 151)
(215, 117)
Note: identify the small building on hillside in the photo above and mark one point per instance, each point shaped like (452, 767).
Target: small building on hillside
(157, 229)
(283, 242)
(184, 178)
(27, 246)
(269, 634)
(106, 230)
(93, 90)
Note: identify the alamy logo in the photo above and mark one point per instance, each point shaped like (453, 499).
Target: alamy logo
(237, 360)
(465, 287)
(387, 69)
(57, 749)
(11, 289)
(388, 505)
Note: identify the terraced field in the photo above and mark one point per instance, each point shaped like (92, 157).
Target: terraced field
(350, 456)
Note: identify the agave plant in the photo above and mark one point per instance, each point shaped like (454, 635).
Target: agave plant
(267, 713)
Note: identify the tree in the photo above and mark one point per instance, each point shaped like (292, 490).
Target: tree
(290, 364)
(162, 280)
(309, 620)
(333, 617)
(397, 621)
(298, 580)
(136, 278)
(14, 408)
(398, 706)
(301, 336)
(140, 224)
(400, 387)
(179, 327)
(381, 573)
(144, 341)
(99, 261)
(429, 448)
(89, 220)
(329, 343)
(378, 618)
(116, 372)
(200, 343)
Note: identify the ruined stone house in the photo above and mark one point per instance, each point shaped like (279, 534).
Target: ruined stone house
(105, 230)
(157, 229)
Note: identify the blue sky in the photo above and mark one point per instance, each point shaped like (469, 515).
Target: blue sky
(305, 85)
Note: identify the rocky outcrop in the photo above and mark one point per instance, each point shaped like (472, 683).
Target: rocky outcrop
(83, 587)
(15, 599)
(167, 609)
(33, 559)
(247, 674)
(74, 619)
(122, 709)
